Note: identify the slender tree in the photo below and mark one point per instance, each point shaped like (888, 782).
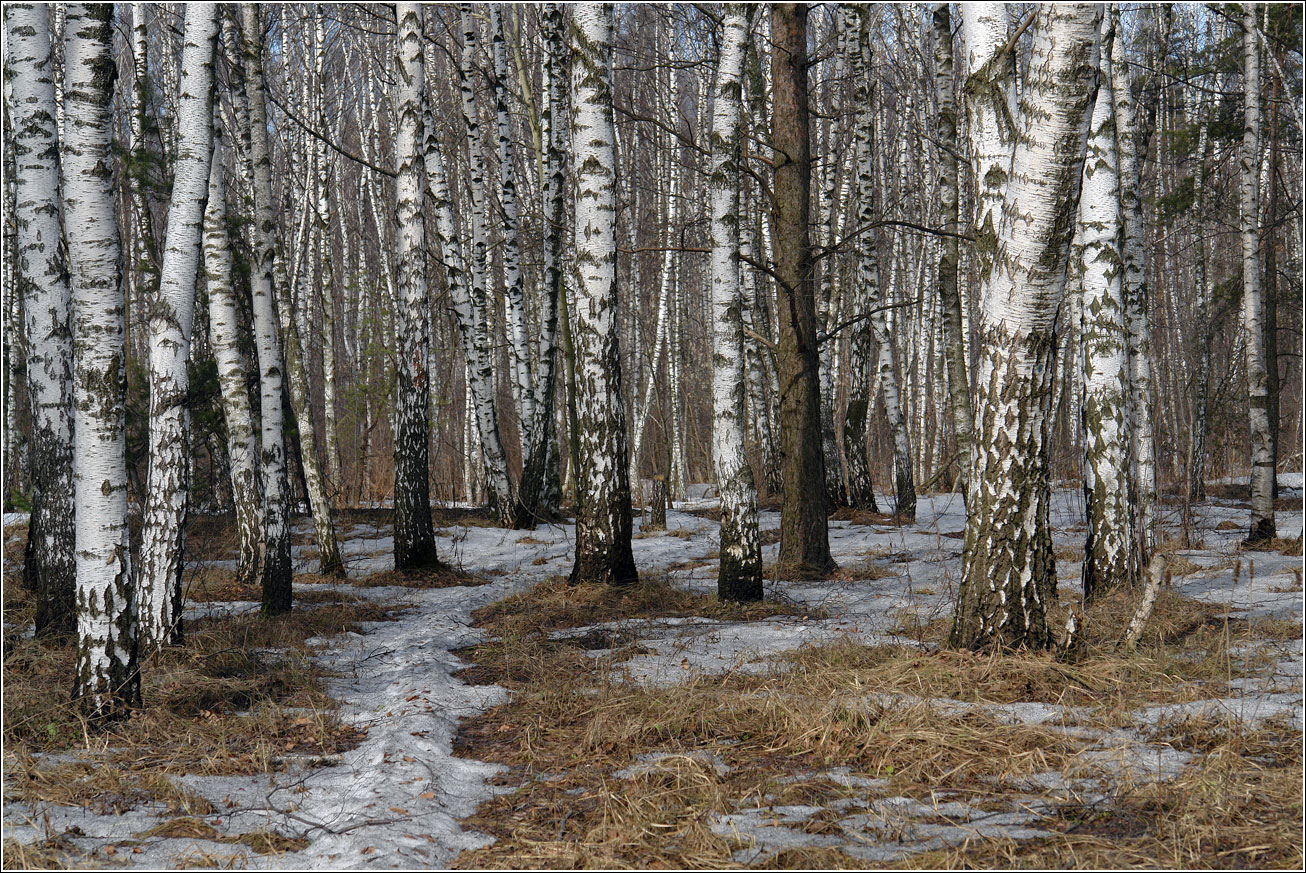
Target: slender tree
(1262, 526)
(949, 294)
(49, 563)
(804, 541)
(1009, 571)
(275, 560)
(414, 534)
(1110, 548)
(740, 573)
(603, 523)
(159, 593)
(107, 679)
(224, 339)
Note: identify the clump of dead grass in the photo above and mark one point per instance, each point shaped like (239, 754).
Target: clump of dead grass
(555, 603)
(236, 699)
(52, 853)
(1237, 806)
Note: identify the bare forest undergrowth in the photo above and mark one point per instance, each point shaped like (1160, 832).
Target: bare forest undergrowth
(656, 726)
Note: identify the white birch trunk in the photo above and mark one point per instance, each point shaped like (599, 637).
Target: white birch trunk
(224, 337)
(1109, 551)
(49, 563)
(414, 534)
(1132, 151)
(1009, 571)
(159, 594)
(1262, 526)
(275, 559)
(740, 574)
(496, 467)
(603, 523)
(107, 681)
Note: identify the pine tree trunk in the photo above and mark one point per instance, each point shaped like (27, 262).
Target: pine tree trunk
(1110, 549)
(414, 533)
(1262, 526)
(159, 593)
(603, 523)
(107, 681)
(1009, 571)
(804, 542)
(49, 562)
(275, 560)
(740, 574)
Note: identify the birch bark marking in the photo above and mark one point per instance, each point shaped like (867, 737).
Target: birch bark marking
(481, 365)
(107, 681)
(515, 303)
(866, 293)
(740, 574)
(224, 329)
(804, 538)
(414, 534)
(49, 563)
(603, 523)
(1110, 548)
(949, 295)
(275, 559)
(1008, 569)
(1262, 526)
(172, 315)
(1132, 147)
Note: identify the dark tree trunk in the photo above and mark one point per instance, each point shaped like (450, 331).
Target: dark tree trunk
(804, 543)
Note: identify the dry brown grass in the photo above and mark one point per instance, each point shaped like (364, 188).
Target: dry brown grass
(574, 720)
(1238, 806)
(236, 699)
(555, 603)
(53, 853)
(437, 577)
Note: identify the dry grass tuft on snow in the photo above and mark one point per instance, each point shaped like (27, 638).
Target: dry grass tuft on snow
(238, 698)
(604, 772)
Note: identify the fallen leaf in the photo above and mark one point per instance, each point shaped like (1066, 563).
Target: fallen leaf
(427, 795)
(399, 810)
(410, 760)
(369, 850)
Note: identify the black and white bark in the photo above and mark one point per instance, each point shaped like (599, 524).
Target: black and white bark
(740, 573)
(233, 380)
(171, 318)
(1262, 526)
(414, 534)
(275, 559)
(603, 522)
(1009, 570)
(107, 678)
(41, 274)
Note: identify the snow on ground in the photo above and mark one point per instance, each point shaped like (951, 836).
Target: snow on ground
(395, 801)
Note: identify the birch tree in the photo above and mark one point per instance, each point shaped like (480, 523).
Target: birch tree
(275, 559)
(949, 294)
(1132, 146)
(49, 562)
(603, 523)
(1262, 526)
(159, 593)
(224, 333)
(414, 534)
(107, 678)
(740, 573)
(1109, 550)
(1008, 569)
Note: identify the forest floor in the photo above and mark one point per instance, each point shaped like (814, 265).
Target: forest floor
(491, 716)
